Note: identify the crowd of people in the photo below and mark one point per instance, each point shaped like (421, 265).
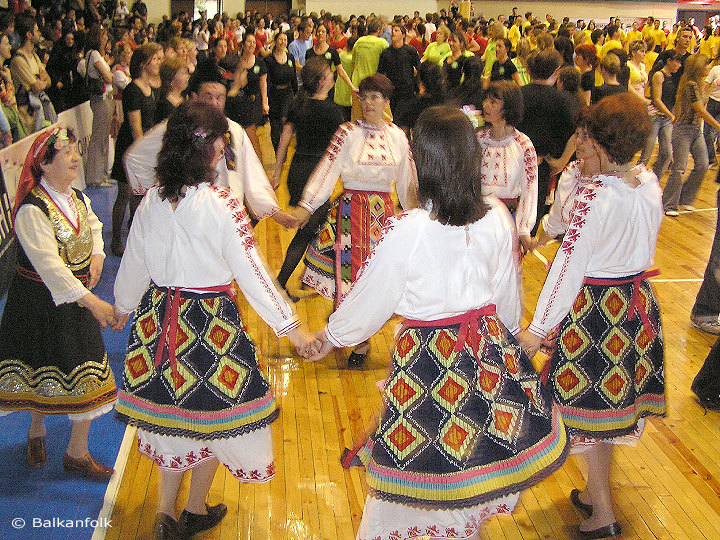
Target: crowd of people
(522, 131)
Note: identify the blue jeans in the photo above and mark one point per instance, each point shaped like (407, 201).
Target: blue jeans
(662, 133)
(710, 133)
(686, 139)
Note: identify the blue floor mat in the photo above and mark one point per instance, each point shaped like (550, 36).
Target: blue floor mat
(48, 503)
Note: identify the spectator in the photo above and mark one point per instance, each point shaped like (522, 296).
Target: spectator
(29, 75)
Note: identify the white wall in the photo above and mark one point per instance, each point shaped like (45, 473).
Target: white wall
(233, 6)
(379, 7)
(156, 9)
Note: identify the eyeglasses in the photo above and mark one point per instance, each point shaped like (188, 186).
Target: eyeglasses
(370, 97)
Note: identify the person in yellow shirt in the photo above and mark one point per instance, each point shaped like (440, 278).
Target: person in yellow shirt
(612, 41)
(589, 30)
(648, 27)
(633, 34)
(707, 44)
(650, 55)
(670, 43)
(527, 23)
(659, 36)
(514, 34)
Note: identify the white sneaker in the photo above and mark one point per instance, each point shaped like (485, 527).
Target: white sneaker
(672, 213)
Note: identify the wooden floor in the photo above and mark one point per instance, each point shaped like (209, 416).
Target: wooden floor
(668, 487)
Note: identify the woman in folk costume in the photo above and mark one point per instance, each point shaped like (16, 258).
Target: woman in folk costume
(370, 155)
(607, 371)
(467, 424)
(192, 383)
(53, 356)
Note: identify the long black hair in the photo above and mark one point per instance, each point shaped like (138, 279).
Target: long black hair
(188, 147)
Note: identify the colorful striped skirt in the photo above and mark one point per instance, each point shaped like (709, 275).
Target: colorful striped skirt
(208, 385)
(52, 358)
(607, 369)
(353, 227)
(466, 419)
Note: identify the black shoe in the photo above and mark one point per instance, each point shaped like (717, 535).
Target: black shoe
(356, 359)
(195, 523)
(166, 528)
(575, 499)
(294, 299)
(607, 531)
(711, 403)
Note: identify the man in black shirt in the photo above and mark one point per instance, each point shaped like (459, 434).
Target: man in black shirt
(399, 63)
(547, 118)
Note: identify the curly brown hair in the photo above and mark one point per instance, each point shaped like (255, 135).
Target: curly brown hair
(620, 124)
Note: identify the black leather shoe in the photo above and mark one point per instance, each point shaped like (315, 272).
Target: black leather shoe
(607, 531)
(166, 528)
(583, 507)
(356, 359)
(711, 403)
(195, 523)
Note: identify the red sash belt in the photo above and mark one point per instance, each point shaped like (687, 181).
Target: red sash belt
(34, 276)
(170, 322)
(469, 326)
(635, 307)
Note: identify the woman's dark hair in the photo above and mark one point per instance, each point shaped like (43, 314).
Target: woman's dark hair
(565, 47)
(141, 57)
(192, 130)
(311, 75)
(93, 37)
(168, 70)
(376, 83)
(430, 75)
(447, 158)
(509, 93)
(569, 77)
(620, 124)
(51, 151)
(470, 91)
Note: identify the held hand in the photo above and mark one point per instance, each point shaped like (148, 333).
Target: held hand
(285, 219)
(96, 268)
(121, 320)
(529, 342)
(100, 309)
(266, 108)
(305, 344)
(302, 216)
(325, 346)
(526, 242)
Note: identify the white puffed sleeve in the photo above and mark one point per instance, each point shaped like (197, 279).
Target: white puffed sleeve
(526, 214)
(322, 182)
(553, 223)
(407, 182)
(141, 159)
(133, 277)
(37, 238)
(373, 297)
(570, 265)
(259, 194)
(506, 279)
(251, 272)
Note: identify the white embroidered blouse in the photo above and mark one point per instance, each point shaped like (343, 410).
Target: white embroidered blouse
(423, 270)
(247, 182)
(571, 182)
(367, 158)
(206, 241)
(509, 171)
(612, 233)
(37, 237)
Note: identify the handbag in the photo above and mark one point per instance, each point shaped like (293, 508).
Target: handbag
(88, 86)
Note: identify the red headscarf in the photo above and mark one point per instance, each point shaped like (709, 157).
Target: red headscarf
(31, 171)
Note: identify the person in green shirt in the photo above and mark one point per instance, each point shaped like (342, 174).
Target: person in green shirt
(439, 49)
(366, 55)
(343, 93)
(495, 31)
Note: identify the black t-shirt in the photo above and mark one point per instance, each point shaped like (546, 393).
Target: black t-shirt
(502, 72)
(133, 99)
(281, 74)
(331, 55)
(606, 90)
(660, 63)
(315, 122)
(398, 64)
(547, 118)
